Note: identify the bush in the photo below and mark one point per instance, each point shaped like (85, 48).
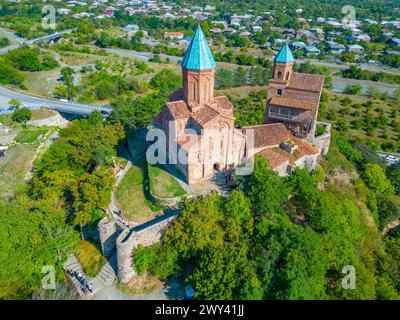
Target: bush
(21, 115)
(388, 210)
(9, 75)
(376, 180)
(353, 89)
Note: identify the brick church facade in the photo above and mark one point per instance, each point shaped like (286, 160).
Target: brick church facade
(200, 127)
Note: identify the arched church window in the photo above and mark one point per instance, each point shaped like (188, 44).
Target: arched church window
(287, 75)
(279, 74)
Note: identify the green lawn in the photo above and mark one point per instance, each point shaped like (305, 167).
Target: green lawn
(91, 258)
(132, 195)
(13, 168)
(30, 135)
(164, 184)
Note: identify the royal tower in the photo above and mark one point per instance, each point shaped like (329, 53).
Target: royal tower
(198, 72)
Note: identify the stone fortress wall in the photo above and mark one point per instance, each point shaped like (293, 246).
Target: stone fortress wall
(323, 141)
(123, 241)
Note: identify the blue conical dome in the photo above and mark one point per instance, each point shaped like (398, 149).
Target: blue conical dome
(284, 55)
(198, 56)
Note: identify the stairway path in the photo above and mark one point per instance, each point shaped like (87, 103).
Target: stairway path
(105, 278)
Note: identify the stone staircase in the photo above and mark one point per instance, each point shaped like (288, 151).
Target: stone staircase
(220, 182)
(106, 277)
(73, 265)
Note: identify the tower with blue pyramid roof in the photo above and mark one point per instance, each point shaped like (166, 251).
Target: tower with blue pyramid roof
(283, 64)
(198, 72)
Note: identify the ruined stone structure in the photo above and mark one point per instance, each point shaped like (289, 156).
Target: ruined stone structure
(108, 232)
(123, 241)
(200, 128)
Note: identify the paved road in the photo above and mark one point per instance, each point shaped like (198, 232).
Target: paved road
(61, 106)
(339, 84)
(363, 66)
(22, 41)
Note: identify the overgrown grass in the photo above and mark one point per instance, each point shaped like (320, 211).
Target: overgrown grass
(163, 184)
(91, 258)
(141, 284)
(42, 114)
(133, 194)
(30, 135)
(13, 167)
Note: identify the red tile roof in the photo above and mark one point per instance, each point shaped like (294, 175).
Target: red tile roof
(178, 109)
(274, 159)
(222, 104)
(204, 115)
(304, 149)
(268, 135)
(291, 103)
(306, 81)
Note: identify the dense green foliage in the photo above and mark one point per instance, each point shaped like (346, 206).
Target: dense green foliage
(29, 59)
(273, 238)
(136, 112)
(71, 187)
(21, 115)
(356, 73)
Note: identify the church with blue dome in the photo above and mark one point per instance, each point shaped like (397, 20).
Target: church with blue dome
(202, 138)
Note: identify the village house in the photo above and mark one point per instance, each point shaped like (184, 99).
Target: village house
(356, 48)
(201, 136)
(185, 41)
(336, 48)
(173, 35)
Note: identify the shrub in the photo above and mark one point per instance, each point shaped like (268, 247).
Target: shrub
(21, 115)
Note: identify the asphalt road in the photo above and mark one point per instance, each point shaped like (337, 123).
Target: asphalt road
(61, 106)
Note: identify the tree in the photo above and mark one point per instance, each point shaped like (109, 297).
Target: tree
(355, 89)
(92, 194)
(9, 75)
(374, 92)
(4, 42)
(60, 91)
(166, 82)
(30, 240)
(388, 209)
(67, 74)
(376, 180)
(393, 174)
(224, 79)
(21, 115)
(240, 77)
(265, 189)
(25, 59)
(14, 103)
